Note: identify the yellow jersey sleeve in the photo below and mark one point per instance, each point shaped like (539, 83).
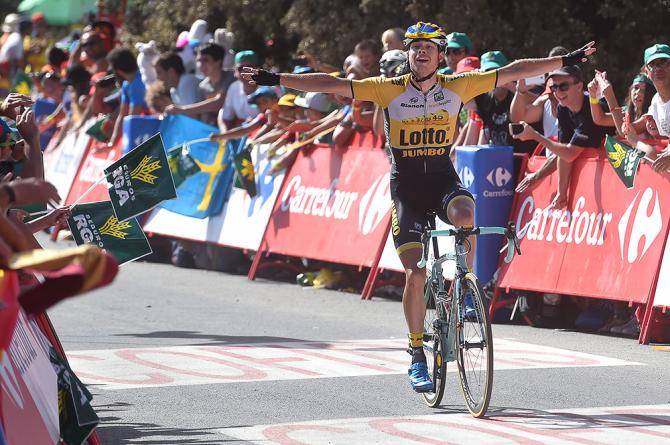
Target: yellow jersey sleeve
(472, 84)
(377, 89)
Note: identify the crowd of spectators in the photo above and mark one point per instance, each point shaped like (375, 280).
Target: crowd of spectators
(90, 74)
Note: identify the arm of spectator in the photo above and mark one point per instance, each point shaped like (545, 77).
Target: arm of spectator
(28, 191)
(55, 217)
(13, 104)
(331, 121)
(524, 107)
(377, 121)
(270, 136)
(12, 239)
(634, 140)
(118, 125)
(524, 68)
(599, 116)
(344, 131)
(532, 179)
(208, 105)
(33, 167)
(567, 152)
(475, 127)
(318, 66)
(236, 133)
(315, 82)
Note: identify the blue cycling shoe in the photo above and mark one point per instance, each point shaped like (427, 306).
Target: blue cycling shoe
(419, 377)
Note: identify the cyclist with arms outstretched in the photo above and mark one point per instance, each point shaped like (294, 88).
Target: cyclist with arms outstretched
(421, 112)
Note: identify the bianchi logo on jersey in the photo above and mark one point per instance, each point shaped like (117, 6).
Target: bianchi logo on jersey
(374, 205)
(414, 100)
(499, 177)
(466, 176)
(645, 223)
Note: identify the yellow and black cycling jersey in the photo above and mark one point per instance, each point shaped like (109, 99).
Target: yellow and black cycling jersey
(420, 127)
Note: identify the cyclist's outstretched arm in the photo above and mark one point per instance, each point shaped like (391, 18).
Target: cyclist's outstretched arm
(315, 82)
(524, 68)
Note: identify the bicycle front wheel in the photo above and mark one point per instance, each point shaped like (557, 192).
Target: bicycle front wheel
(474, 344)
(433, 347)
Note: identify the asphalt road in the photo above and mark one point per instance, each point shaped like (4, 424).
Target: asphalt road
(178, 356)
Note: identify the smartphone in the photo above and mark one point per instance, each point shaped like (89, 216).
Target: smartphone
(535, 80)
(515, 129)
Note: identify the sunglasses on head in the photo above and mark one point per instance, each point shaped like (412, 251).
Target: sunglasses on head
(565, 86)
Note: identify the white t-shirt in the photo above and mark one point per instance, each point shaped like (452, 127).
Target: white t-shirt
(661, 113)
(549, 120)
(236, 106)
(12, 50)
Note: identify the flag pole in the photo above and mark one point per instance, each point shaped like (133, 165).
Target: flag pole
(90, 189)
(192, 141)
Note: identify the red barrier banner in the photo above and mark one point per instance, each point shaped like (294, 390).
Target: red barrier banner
(334, 205)
(97, 158)
(606, 243)
(63, 160)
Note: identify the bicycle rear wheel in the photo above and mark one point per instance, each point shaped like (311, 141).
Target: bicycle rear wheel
(474, 343)
(433, 348)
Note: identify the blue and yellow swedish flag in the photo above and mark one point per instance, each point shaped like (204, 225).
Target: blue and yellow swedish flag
(204, 193)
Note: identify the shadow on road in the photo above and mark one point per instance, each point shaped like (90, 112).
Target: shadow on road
(212, 339)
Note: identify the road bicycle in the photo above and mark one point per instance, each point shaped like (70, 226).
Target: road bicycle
(456, 325)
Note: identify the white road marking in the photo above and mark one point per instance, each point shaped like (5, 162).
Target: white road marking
(194, 365)
(591, 426)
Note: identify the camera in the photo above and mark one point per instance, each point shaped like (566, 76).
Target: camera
(515, 129)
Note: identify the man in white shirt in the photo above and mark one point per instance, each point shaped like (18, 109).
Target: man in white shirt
(236, 109)
(657, 63)
(11, 52)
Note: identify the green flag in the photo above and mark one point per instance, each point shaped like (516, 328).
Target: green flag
(140, 180)
(182, 164)
(21, 84)
(244, 168)
(97, 130)
(95, 223)
(624, 159)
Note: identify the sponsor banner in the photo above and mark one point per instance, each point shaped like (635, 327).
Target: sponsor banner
(91, 171)
(62, 161)
(606, 243)
(95, 223)
(243, 219)
(116, 369)
(140, 180)
(595, 426)
(29, 391)
(333, 206)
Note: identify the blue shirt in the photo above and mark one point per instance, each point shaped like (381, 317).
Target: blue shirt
(133, 92)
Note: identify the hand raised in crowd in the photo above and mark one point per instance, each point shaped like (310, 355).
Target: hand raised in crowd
(528, 183)
(26, 124)
(521, 86)
(12, 104)
(57, 217)
(28, 191)
(594, 88)
(652, 128)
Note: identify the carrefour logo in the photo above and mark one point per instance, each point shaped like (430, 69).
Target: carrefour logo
(374, 205)
(645, 222)
(466, 176)
(499, 177)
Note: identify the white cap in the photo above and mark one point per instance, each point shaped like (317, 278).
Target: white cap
(11, 23)
(315, 101)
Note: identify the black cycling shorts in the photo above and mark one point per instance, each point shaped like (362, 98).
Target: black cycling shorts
(413, 198)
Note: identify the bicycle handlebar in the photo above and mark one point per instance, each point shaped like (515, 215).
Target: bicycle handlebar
(509, 232)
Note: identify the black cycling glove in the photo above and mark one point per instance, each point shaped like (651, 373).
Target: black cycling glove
(264, 77)
(574, 57)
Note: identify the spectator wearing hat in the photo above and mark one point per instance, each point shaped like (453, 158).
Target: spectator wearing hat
(266, 100)
(459, 46)
(212, 89)
(183, 86)
(236, 108)
(576, 131)
(133, 90)
(92, 51)
(494, 109)
(12, 55)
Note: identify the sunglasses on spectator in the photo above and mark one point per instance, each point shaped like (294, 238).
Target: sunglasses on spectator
(658, 63)
(565, 86)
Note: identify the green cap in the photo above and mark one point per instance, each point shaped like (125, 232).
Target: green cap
(642, 78)
(246, 56)
(657, 51)
(493, 60)
(459, 40)
(445, 70)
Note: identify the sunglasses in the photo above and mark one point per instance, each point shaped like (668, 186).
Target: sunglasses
(565, 86)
